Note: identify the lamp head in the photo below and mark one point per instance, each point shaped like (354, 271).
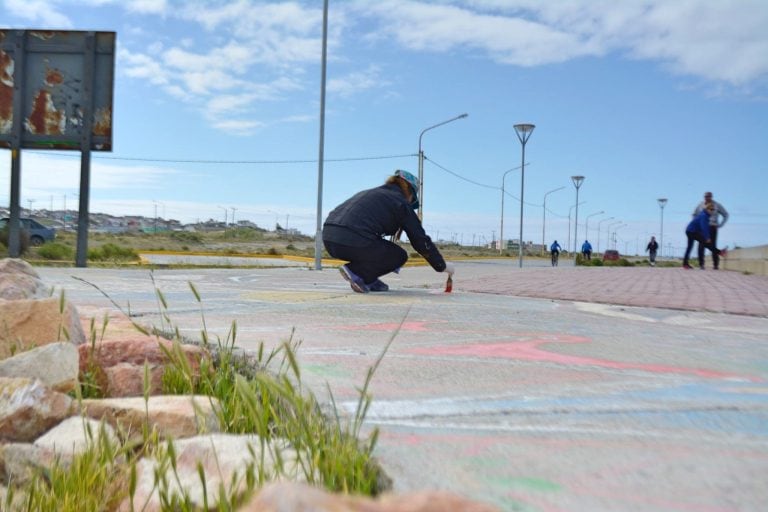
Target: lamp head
(662, 201)
(577, 181)
(524, 131)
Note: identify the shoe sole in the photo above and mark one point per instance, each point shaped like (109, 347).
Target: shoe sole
(356, 287)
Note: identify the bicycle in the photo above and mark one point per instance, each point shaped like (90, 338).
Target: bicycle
(555, 257)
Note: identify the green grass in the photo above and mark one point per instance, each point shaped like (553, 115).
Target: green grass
(260, 393)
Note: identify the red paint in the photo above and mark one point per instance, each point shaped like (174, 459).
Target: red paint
(530, 351)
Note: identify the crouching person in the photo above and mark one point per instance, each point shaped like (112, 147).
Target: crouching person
(354, 231)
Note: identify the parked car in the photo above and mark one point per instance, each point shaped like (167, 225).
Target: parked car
(611, 255)
(38, 234)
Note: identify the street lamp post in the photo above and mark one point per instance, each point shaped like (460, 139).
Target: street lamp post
(421, 161)
(608, 231)
(662, 203)
(586, 229)
(570, 211)
(598, 232)
(577, 181)
(544, 221)
(524, 131)
(501, 231)
(622, 225)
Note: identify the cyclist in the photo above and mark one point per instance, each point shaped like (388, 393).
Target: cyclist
(555, 250)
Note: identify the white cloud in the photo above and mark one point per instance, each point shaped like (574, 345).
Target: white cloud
(239, 127)
(40, 12)
(356, 81)
(711, 39)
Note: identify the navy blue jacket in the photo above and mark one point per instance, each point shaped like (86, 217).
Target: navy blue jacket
(700, 225)
(375, 213)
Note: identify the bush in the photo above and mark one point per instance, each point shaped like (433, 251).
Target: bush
(112, 252)
(187, 237)
(55, 251)
(23, 239)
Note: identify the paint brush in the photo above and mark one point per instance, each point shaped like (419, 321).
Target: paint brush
(449, 284)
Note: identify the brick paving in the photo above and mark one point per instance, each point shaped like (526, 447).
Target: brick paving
(672, 288)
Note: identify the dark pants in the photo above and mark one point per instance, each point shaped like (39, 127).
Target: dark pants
(369, 262)
(587, 255)
(715, 254)
(693, 237)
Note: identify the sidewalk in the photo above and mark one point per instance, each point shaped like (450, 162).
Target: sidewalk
(555, 389)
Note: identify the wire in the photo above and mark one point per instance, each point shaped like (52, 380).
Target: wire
(179, 161)
(476, 183)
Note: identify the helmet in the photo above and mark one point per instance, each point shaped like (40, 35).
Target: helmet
(413, 182)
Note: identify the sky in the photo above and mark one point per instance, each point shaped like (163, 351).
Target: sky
(216, 113)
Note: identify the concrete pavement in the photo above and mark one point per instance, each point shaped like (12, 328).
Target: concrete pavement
(534, 389)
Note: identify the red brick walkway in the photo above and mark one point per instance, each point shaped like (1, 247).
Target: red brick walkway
(673, 288)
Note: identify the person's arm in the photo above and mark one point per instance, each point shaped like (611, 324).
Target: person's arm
(422, 243)
(722, 211)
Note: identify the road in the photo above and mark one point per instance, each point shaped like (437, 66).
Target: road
(542, 389)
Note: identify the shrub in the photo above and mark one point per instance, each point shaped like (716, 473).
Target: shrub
(187, 237)
(55, 251)
(23, 239)
(112, 252)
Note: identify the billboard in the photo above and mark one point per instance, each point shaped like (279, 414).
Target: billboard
(56, 89)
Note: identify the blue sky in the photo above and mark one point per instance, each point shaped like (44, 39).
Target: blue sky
(646, 99)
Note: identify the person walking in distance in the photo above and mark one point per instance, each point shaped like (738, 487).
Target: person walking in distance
(354, 231)
(698, 231)
(586, 250)
(651, 249)
(716, 221)
(554, 249)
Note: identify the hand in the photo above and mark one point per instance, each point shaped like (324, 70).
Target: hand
(449, 268)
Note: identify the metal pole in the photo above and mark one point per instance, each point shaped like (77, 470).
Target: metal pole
(524, 131)
(586, 229)
(544, 221)
(598, 232)
(662, 203)
(501, 231)
(421, 161)
(577, 181)
(321, 146)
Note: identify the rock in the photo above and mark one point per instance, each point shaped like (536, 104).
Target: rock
(19, 280)
(74, 435)
(56, 365)
(126, 379)
(28, 408)
(29, 323)
(225, 459)
(22, 462)
(172, 416)
(118, 365)
(297, 497)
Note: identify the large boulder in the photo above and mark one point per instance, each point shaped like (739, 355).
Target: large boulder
(19, 280)
(29, 323)
(28, 408)
(56, 365)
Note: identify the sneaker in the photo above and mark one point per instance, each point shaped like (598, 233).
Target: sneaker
(687, 266)
(378, 286)
(355, 282)
(724, 252)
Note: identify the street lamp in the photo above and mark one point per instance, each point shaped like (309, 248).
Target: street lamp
(524, 131)
(501, 231)
(577, 181)
(587, 226)
(570, 210)
(662, 203)
(608, 230)
(598, 232)
(544, 220)
(421, 161)
(622, 225)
